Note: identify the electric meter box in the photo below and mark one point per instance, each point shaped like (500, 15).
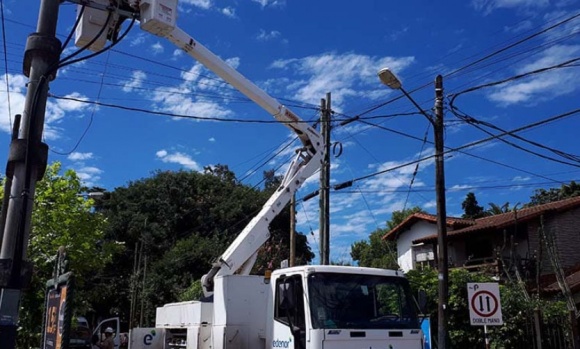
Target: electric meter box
(91, 22)
(158, 16)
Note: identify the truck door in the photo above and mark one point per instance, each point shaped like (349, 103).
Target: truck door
(289, 329)
(99, 332)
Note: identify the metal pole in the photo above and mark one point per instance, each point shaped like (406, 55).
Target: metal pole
(292, 261)
(486, 336)
(26, 164)
(442, 264)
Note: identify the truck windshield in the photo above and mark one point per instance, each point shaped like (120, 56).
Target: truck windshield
(360, 302)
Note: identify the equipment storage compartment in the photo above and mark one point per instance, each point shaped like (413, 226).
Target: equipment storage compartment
(176, 338)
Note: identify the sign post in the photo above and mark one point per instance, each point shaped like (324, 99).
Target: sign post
(58, 310)
(484, 306)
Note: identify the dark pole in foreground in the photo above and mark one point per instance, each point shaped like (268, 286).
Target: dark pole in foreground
(442, 262)
(26, 164)
(325, 182)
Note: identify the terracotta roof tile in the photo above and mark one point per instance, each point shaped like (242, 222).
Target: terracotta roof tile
(453, 222)
(507, 219)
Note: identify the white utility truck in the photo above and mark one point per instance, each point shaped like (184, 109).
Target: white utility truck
(305, 307)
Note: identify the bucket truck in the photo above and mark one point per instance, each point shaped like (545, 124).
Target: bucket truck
(304, 307)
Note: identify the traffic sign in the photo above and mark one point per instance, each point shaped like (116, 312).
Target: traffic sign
(484, 304)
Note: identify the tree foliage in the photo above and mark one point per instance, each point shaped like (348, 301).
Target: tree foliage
(180, 222)
(543, 196)
(399, 216)
(61, 217)
(471, 208)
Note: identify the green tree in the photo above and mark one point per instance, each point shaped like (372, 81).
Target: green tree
(61, 217)
(182, 221)
(376, 252)
(543, 196)
(399, 216)
(495, 209)
(471, 208)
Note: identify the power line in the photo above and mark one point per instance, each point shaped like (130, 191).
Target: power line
(513, 78)
(469, 145)
(91, 118)
(527, 38)
(6, 64)
(455, 188)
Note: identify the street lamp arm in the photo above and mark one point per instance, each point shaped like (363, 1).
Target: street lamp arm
(429, 117)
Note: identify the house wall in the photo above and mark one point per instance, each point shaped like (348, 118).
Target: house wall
(419, 230)
(564, 228)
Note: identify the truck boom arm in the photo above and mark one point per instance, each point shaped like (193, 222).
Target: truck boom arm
(241, 254)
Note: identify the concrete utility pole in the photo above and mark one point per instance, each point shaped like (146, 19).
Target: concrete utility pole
(325, 182)
(292, 261)
(26, 164)
(442, 261)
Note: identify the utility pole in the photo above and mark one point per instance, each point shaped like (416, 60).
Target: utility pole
(442, 262)
(26, 164)
(325, 182)
(292, 261)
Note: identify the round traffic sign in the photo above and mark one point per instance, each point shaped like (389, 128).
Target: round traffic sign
(484, 303)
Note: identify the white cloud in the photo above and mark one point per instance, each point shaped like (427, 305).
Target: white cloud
(267, 36)
(271, 3)
(211, 139)
(204, 4)
(355, 78)
(519, 27)
(430, 204)
(56, 109)
(521, 179)
(177, 53)
(76, 156)
(157, 48)
(183, 100)
(89, 175)
(460, 187)
(488, 6)
(137, 40)
(229, 12)
(178, 158)
(174, 101)
(136, 81)
(543, 86)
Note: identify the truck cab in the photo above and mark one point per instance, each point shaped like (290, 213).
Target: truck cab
(335, 307)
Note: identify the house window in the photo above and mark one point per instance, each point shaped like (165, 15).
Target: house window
(477, 248)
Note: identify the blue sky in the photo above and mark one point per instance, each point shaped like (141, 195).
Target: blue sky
(298, 51)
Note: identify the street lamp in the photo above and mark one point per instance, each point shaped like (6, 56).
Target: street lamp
(389, 78)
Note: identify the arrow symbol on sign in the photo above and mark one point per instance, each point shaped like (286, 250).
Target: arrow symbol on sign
(488, 305)
(480, 303)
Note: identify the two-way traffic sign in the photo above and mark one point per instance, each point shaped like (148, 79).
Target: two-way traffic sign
(484, 304)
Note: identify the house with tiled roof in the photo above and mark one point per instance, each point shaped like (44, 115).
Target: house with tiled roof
(509, 240)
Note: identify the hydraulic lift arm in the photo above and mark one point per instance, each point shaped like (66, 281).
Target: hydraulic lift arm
(241, 254)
